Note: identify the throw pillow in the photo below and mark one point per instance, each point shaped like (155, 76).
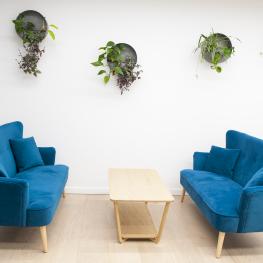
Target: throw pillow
(221, 160)
(26, 153)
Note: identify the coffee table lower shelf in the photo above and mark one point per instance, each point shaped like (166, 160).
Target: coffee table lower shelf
(134, 221)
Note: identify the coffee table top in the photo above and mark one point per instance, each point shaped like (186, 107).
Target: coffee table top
(137, 185)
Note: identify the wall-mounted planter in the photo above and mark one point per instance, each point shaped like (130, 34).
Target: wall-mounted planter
(31, 17)
(126, 51)
(32, 28)
(119, 60)
(215, 49)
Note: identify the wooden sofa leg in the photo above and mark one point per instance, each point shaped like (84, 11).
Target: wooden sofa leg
(64, 195)
(221, 238)
(43, 232)
(183, 195)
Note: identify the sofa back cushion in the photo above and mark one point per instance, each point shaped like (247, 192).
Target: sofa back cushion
(256, 180)
(251, 155)
(3, 172)
(8, 131)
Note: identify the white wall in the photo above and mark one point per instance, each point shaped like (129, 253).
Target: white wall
(166, 116)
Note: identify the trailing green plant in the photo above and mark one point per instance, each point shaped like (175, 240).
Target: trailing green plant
(31, 39)
(212, 46)
(115, 64)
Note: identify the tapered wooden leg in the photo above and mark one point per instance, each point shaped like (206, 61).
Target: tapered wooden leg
(183, 195)
(118, 222)
(43, 232)
(64, 195)
(221, 238)
(165, 212)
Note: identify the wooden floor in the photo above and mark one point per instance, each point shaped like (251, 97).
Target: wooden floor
(84, 231)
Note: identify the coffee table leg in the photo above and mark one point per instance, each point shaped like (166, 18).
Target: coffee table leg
(165, 211)
(118, 223)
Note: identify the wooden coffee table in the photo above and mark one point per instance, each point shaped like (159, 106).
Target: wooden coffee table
(131, 190)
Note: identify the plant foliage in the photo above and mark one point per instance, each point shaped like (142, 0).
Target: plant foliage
(114, 64)
(211, 45)
(31, 39)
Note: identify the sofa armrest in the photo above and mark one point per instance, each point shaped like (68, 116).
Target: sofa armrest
(251, 210)
(48, 155)
(199, 160)
(14, 197)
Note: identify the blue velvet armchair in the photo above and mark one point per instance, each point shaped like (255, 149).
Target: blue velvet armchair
(28, 198)
(231, 205)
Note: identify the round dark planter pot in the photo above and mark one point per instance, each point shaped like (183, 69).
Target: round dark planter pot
(222, 42)
(38, 20)
(127, 52)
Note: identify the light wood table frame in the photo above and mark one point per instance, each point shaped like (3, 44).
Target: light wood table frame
(130, 191)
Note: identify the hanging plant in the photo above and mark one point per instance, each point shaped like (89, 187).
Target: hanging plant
(119, 60)
(215, 49)
(32, 28)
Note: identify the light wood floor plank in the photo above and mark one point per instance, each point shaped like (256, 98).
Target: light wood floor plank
(84, 230)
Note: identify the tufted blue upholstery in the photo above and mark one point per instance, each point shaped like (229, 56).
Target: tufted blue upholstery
(220, 207)
(9, 131)
(31, 197)
(230, 204)
(251, 155)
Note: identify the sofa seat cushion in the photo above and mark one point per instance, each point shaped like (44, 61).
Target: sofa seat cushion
(46, 184)
(217, 197)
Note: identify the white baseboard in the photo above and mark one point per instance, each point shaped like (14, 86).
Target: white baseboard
(103, 191)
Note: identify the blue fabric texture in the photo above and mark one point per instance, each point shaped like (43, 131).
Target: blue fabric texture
(251, 210)
(26, 153)
(48, 155)
(251, 155)
(256, 180)
(3, 172)
(221, 161)
(29, 198)
(14, 196)
(216, 196)
(199, 160)
(46, 187)
(230, 204)
(9, 131)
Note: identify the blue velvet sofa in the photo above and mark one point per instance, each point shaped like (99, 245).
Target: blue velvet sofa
(231, 205)
(28, 198)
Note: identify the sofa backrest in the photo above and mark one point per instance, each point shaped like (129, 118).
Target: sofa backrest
(13, 130)
(251, 155)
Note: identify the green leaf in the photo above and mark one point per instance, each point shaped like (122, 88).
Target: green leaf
(106, 79)
(227, 51)
(121, 58)
(110, 44)
(54, 26)
(52, 35)
(101, 57)
(218, 69)
(118, 70)
(121, 47)
(102, 48)
(97, 63)
(216, 58)
(101, 72)
(117, 50)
